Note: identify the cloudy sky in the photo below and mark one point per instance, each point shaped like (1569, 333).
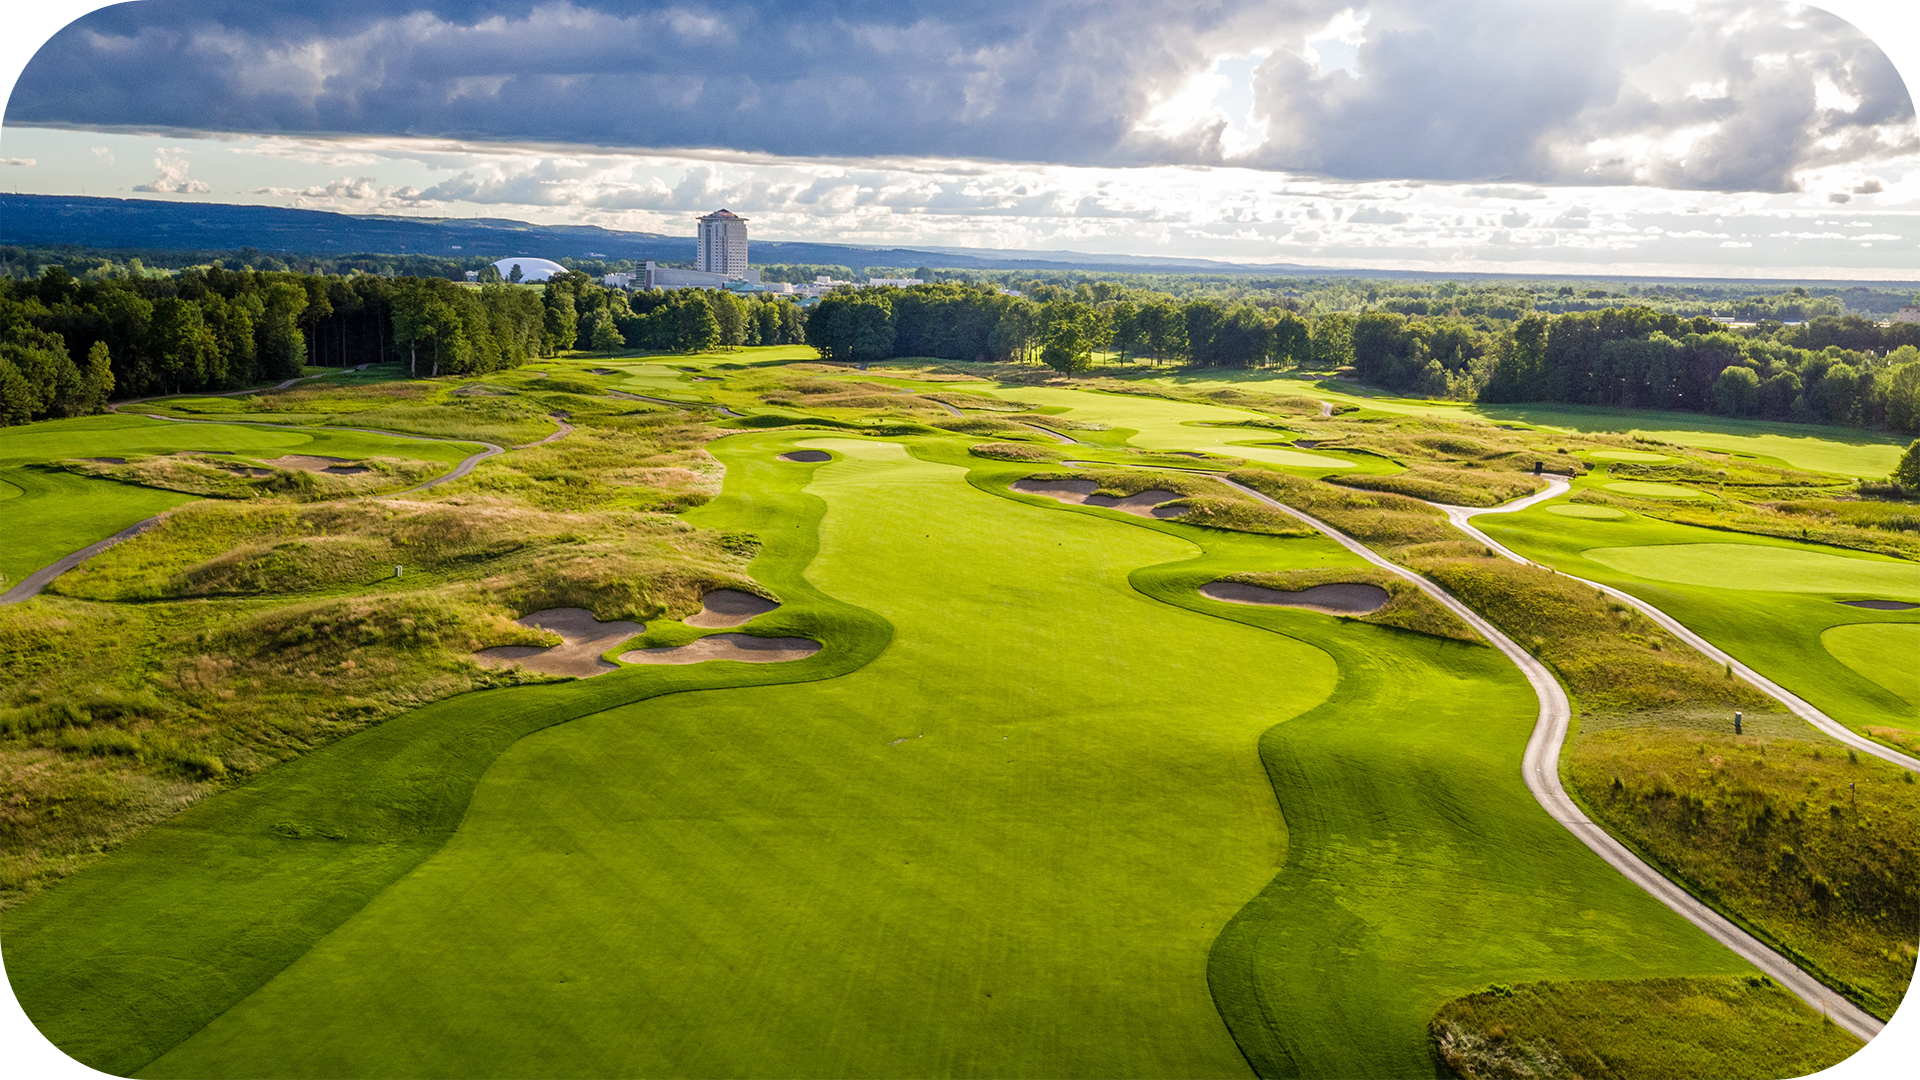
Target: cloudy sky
(1730, 137)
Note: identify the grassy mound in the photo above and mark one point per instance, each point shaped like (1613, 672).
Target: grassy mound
(1814, 846)
(1645, 1029)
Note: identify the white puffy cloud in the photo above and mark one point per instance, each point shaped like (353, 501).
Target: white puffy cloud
(171, 175)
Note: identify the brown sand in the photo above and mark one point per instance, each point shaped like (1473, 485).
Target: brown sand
(1081, 492)
(602, 371)
(807, 455)
(583, 639)
(1340, 598)
(743, 647)
(313, 464)
(1881, 605)
(106, 460)
(729, 607)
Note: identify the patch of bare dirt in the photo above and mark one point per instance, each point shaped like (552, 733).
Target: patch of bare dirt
(807, 455)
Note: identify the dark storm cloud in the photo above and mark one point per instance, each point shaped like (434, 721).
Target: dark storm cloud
(1585, 91)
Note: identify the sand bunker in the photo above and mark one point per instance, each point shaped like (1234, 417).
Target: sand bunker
(1081, 493)
(729, 607)
(807, 455)
(1340, 598)
(106, 460)
(1881, 605)
(742, 647)
(602, 371)
(310, 463)
(583, 639)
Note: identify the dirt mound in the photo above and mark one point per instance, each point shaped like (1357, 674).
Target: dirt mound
(1340, 598)
(1881, 605)
(729, 607)
(310, 463)
(1081, 492)
(583, 639)
(742, 647)
(807, 455)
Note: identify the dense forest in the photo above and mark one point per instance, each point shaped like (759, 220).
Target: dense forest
(68, 345)
(122, 328)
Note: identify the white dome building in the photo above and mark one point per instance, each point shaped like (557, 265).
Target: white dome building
(530, 269)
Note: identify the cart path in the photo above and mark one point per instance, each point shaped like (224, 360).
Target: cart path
(1540, 769)
(31, 585)
(1461, 517)
(721, 409)
(1050, 433)
(566, 429)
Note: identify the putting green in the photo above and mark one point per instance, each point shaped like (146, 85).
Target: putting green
(1883, 652)
(1761, 568)
(1627, 455)
(1647, 489)
(1160, 424)
(1586, 510)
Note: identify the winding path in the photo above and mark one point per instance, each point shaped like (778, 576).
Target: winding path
(31, 585)
(1540, 769)
(1461, 517)
(721, 409)
(566, 429)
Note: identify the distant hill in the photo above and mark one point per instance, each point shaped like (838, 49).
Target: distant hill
(156, 225)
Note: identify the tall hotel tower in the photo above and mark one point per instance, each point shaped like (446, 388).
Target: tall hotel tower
(723, 244)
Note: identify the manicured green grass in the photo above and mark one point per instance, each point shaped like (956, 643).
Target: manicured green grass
(1001, 848)
(1752, 567)
(1889, 654)
(1001, 832)
(1765, 600)
(1647, 490)
(1159, 424)
(1583, 510)
(114, 435)
(125, 959)
(53, 514)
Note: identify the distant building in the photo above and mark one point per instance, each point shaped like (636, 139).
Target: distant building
(473, 275)
(722, 244)
(1908, 314)
(531, 269)
(666, 277)
(618, 281)
(895, 282)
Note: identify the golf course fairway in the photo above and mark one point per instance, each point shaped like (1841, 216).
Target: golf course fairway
(1007, 845)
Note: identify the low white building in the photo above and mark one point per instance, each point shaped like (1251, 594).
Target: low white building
(666, 277)
(894, 282)
(618, 281)
(531, 269)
